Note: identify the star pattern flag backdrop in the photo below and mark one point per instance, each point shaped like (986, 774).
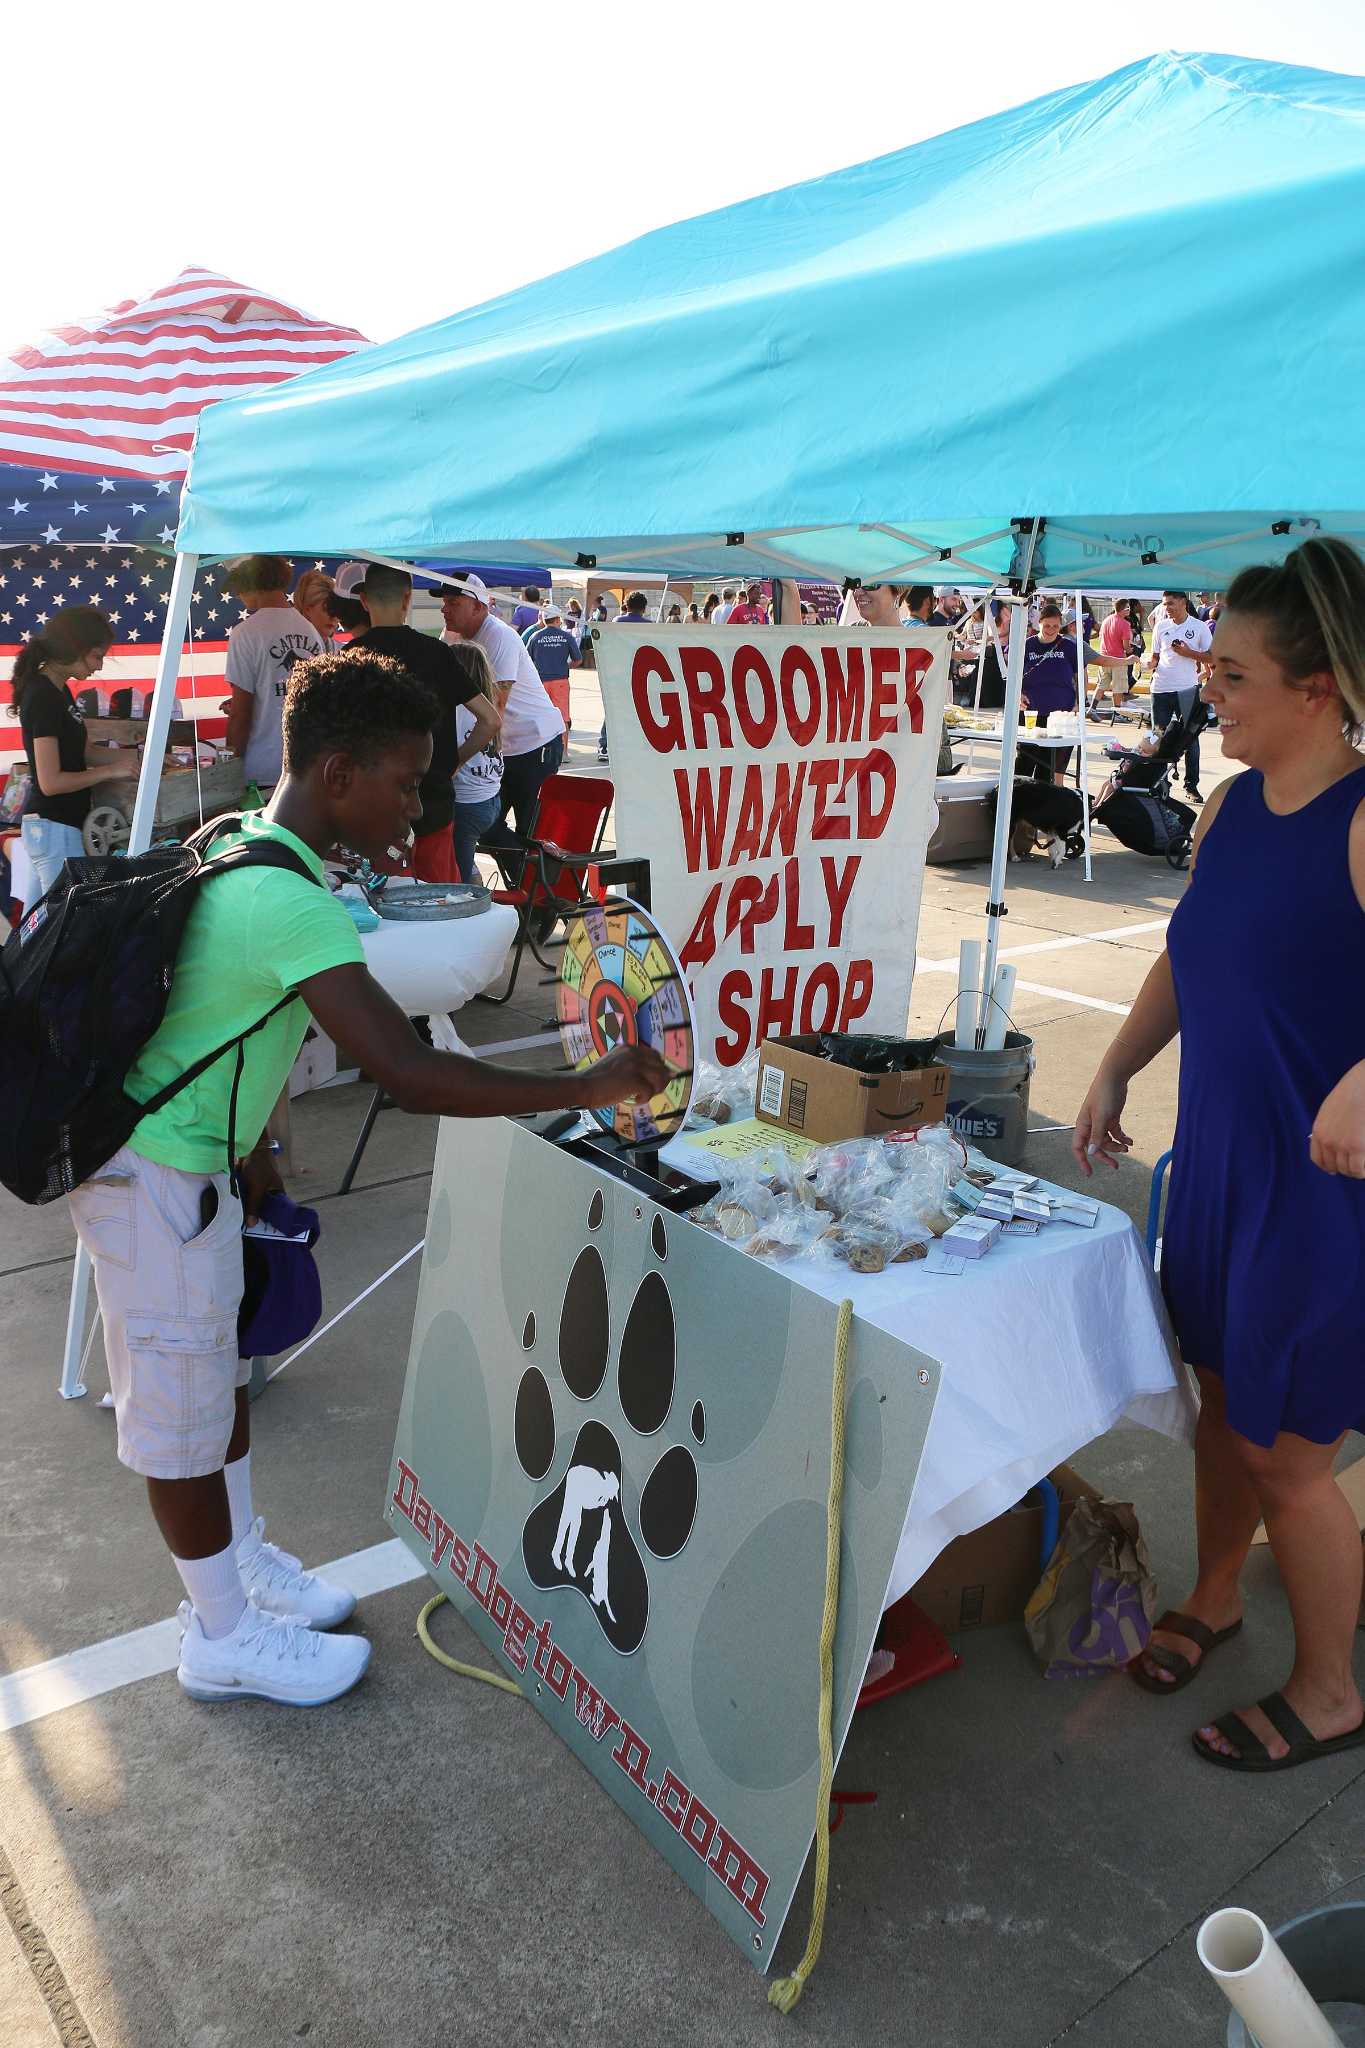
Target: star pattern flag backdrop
(131, 585)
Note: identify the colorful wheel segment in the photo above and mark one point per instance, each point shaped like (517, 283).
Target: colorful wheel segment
(619, 984)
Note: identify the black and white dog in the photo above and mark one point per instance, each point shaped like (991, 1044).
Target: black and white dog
(1044, 813)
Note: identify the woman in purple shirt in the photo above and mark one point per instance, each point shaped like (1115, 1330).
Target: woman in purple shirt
(1050, 685)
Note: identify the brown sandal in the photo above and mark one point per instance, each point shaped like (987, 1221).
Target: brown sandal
(1171, 1660)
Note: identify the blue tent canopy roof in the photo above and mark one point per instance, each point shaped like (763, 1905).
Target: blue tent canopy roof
(1133, 309)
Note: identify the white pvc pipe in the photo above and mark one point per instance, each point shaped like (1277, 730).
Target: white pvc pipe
(1081, 708)
(1009, 746)
(968, 993)
(997, 1019)
(70, 1385)
(1256, 1977)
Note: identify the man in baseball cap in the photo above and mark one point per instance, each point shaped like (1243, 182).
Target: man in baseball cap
(532, 727)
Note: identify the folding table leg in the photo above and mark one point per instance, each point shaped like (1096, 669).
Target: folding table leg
(376, 1104)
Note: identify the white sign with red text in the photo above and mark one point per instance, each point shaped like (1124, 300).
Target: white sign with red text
(782, 785)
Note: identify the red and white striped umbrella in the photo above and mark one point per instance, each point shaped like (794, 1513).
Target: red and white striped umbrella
(120, 394)
(96, 422)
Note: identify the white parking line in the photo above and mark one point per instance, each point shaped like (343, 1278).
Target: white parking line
(42, 1689)
(1118, 931)
(1034, 988)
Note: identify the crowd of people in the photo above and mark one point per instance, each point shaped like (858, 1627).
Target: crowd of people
(504, 685)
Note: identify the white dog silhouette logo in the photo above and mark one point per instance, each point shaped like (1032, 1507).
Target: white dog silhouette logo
(586, 1488)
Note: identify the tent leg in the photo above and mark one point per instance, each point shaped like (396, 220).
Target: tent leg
(139, 839)
(163, 703)
(1009, 746)
(71, 1385)
(1085, 756)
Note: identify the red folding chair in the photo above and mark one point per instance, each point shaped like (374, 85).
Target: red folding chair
(553, 873)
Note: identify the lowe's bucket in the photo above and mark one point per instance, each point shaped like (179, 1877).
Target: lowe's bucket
(1327, 1949)
(988, 1094)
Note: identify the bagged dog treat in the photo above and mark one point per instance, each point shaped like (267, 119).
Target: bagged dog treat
(851, 1173)
(788, 1234)
(724, 1095)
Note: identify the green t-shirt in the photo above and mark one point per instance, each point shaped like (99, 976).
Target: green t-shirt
(250, 938)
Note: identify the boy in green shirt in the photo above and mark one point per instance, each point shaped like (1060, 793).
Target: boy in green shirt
(161, 1221)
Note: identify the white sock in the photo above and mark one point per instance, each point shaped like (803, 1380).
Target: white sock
(214, 1585)
(238, 1477)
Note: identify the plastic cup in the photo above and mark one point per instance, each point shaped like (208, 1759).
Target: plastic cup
(1030, 719)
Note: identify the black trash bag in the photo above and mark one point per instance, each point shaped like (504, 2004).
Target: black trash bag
(868, 1053)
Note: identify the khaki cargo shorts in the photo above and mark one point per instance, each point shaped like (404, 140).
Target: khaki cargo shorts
(169, 1291)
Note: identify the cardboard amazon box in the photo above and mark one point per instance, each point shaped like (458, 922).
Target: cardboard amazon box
(988, 1576)
(798, 1091)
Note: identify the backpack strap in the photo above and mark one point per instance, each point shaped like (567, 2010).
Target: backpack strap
(265, 854)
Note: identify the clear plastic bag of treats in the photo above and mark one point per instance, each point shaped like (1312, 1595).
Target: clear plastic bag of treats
(898, 1213)
(742, 1205)
(723, 1095)
(846, 1175)
(926, 1163)
(789, 1234)
(860, 1242)
(796, 1215)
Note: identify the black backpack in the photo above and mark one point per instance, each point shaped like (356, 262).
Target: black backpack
(84, 983)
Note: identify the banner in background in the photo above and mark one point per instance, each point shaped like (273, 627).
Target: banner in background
(781, 783)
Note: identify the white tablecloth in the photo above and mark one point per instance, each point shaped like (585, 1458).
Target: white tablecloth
(1045, 1344)
(433, 968)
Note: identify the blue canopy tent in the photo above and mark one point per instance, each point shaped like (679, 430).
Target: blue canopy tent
(1110, 337)
(1131, 311)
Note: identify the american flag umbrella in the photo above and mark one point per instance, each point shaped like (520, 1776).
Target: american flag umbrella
(96, 424)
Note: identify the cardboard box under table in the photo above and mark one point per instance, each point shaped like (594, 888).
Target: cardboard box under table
(817, 1098)
(989, 1575)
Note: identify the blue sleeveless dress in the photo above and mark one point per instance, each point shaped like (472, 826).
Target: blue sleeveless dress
(1263, 1261)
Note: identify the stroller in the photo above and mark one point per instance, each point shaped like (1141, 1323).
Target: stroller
(1137, 805)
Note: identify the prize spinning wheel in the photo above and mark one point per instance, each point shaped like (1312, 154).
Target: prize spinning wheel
(619, 984)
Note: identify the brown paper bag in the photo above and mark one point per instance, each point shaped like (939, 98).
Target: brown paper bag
(1093, 1609)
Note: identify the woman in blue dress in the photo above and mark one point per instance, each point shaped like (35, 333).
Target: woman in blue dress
(1264, 1249)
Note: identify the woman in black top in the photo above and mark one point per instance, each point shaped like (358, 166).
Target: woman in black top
(70, 649)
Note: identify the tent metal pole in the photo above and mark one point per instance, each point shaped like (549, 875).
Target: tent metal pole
(70, 1386)
(1009, 745)
(163, 703)
(1080, 704)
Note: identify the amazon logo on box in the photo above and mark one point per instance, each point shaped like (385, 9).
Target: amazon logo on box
(799, 1091)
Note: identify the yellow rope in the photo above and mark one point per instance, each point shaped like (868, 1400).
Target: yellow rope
(452, 1663)
(785, 1992)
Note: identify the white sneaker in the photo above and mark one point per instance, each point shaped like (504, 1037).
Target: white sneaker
(270, 1658)
(279, 1584)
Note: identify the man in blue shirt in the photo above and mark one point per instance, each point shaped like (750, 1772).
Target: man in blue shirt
(527, 612)
(554, 651)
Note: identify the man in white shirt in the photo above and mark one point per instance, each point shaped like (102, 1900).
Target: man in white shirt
(728, 601)
(532, 729)
(1179, 642)
(261, 650)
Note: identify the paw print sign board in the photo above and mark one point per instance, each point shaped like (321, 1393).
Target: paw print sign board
(613, 1455)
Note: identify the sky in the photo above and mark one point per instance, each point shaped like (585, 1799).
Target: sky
(384, 167)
